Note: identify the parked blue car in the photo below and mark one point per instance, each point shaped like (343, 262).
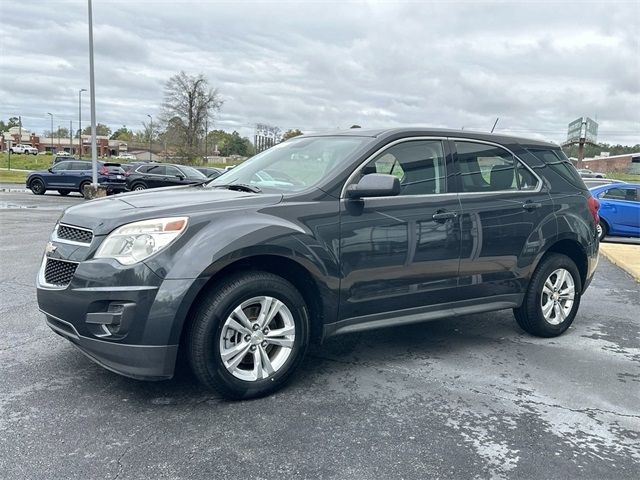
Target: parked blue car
(619, 209)
(72, 176)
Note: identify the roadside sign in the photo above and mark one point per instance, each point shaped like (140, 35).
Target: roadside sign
(591, 131)
(574, 132)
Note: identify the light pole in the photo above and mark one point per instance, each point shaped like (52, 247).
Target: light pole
(150, 134)
(92, 94)
(51, 134)
(80, 119)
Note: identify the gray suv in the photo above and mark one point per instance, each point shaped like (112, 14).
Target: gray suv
(367, 229)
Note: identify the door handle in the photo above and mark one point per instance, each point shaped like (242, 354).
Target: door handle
(442, 216)
(531, 205)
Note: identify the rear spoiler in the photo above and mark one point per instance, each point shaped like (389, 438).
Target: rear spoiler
(109, 164)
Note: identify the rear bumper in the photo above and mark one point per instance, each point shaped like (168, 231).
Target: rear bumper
(142, 362)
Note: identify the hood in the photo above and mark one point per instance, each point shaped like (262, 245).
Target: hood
(105, 214)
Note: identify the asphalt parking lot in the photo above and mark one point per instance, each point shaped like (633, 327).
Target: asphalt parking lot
(470, 397)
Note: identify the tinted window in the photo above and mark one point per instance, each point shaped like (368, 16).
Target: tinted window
(559, 163)
(419, 165)
(173, 171)
(81, 166)
(61, 166)
(487, 168)
(628, 194)
(157, 169)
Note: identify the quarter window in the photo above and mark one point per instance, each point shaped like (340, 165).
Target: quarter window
(418, 164)
(487, 168)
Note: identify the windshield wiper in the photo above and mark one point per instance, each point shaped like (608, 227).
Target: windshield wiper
(240, 187)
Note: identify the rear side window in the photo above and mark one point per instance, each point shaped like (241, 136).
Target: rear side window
(558, 162)
(488, 168)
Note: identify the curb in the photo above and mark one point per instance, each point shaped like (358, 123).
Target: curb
(618, 259)
(16, 190)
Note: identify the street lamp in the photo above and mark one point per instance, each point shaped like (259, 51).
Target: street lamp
(150, 134)
(51, 133)
(80, 119)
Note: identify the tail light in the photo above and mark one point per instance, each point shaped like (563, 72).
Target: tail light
(104, 171)
(594, 205)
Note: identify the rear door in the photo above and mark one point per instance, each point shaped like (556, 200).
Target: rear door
(155, 176)
(503, 207)
(394, 254)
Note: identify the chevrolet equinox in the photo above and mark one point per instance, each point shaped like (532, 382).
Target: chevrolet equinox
(317, 236)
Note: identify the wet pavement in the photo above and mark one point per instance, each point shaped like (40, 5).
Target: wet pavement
(468, 397)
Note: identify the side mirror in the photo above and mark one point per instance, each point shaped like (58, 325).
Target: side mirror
(375, 185)
(180, 177)
(50, 170)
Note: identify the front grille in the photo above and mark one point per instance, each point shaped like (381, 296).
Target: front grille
(59, 272)
(65, 232)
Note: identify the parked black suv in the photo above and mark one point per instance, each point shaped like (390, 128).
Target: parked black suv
(376, 228)
(153, 175)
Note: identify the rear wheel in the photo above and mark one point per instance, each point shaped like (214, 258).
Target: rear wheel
(552, 299)
(82, 185)
(64, 193)
(137, 187)
(37, 187)
(249, 335)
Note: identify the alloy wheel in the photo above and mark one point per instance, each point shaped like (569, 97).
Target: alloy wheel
(257, 338)
(558, 295)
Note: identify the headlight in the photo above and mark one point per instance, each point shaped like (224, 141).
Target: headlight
(133, 242)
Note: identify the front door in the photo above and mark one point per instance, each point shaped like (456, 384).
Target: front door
(402, 252)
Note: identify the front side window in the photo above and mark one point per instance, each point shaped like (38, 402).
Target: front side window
(488, 168)
(418, 164)
(627, 194)
(61, 166)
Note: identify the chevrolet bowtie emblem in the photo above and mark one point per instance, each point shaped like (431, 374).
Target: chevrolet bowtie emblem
(50, 248)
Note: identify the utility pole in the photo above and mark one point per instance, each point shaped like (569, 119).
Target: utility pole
(20, 128)
(58, 137)
(80, 119)
(150, 134)
(92, 92)
(70, 136)
(206, 140)
(581, 142)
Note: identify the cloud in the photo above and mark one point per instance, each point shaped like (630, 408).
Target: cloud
(322, 65)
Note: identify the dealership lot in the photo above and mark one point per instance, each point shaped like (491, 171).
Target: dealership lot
(461, 398)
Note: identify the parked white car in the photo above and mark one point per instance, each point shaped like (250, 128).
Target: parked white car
(26, 149)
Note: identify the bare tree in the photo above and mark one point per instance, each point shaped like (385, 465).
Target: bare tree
(188, 104)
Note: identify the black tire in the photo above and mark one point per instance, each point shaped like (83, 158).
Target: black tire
(138, 187)
(34, 153)
(603, 229)
(529, 315)
(82, 185)
(206, 329)
(64, 193)
(37, 186)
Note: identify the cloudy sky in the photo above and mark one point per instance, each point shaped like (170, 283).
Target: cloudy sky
(324, 65)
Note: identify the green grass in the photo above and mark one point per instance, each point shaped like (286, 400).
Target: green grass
(25, 162)
(11, 176)
(626, 177)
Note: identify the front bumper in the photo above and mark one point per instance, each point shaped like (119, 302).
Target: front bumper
(125, 318)
(142, 362)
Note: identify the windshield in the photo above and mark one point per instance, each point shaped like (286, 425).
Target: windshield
(294, 165)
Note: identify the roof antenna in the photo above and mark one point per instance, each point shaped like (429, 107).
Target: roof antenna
(494, 125)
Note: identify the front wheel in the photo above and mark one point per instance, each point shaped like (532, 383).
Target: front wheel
(552, 299)
(603, 229)
(249, 335)
(37, 187)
